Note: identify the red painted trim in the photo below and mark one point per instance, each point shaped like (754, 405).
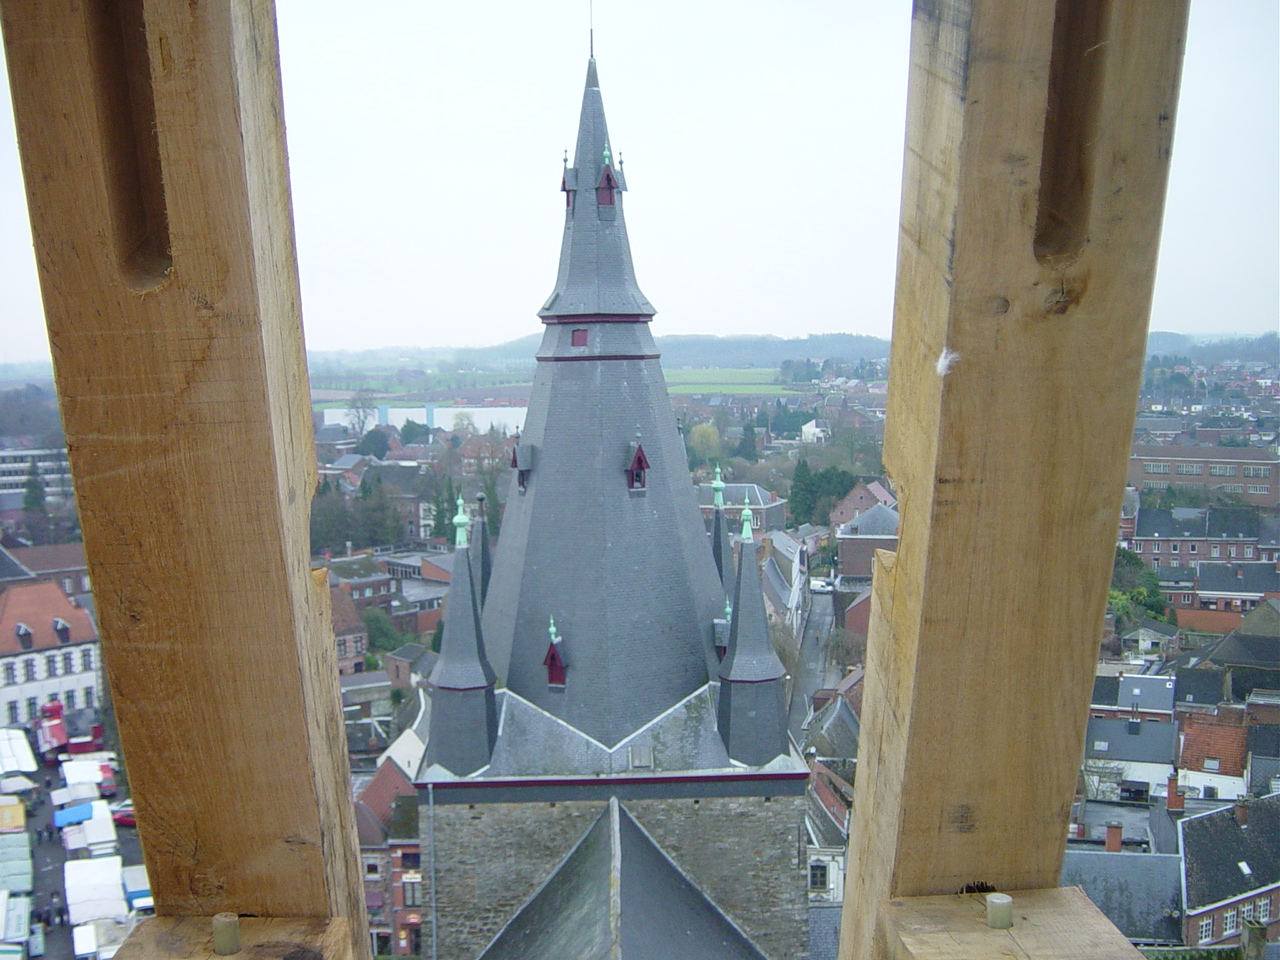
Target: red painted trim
(603, 356)
(599, 318)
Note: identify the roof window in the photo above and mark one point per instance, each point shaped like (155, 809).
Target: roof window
(23, 633)
(62, 629)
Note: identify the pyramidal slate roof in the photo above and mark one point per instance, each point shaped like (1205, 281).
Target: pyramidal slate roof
(616, 896)
(596, 276)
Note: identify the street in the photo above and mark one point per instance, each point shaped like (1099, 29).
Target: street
(813, 671)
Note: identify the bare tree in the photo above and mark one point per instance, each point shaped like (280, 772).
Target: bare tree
(360, 411)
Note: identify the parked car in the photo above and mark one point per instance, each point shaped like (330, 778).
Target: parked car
(820, 585)
(122, 814)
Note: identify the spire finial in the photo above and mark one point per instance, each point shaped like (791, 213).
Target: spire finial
(746, 518)
(717, 486)
(460, 523)
(591, 28)
(551, 629)
(608, 160)
(728, 608)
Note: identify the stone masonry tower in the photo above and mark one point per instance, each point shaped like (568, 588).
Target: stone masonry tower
(601, 532)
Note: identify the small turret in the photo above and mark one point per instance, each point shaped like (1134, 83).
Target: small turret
(721, 549)
(751, 713)
(464, 716)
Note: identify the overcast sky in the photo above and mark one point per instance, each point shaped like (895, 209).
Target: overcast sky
(763, 150)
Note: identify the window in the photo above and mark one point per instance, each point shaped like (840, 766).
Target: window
(68, 662)
(1211, 793)
(28, 669)
(1254, 488)
(69, 698)
(1192, 548)
(372, 869)
(1248, 551)
(357, 644)
(410, 860)
(51, 666)
(1101, 746)
(33, 707)
(1173, 548)
(1153, 485)
(817, 876)
(1190, 469)
(1231, 488)
(1221, 470)
(1211, 763)
(1257, 471)
(579, 338)
(1215, 551)
(1206, 930)
(86, 659)
(342, 648)
(1231, 552)
(413, 893)
(1155, 548)
(1264, 909)
(1246, 911)
(13, 712)
(10, 673)
(1230, 922)
(636, 469)
(88, 698)
(1155, 468)
(62, 629)
(1186, 598)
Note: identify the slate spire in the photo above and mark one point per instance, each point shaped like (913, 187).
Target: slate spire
(751, 714)
(600, 530)
(596, 277)
(481, 557)
(464, 717)
(721, 550)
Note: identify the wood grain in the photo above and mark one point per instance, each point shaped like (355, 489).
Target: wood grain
(1054, 924)
(191, 938)
(1017, 355)
(152, 144)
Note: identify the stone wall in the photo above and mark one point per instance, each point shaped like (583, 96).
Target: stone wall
(744, 852)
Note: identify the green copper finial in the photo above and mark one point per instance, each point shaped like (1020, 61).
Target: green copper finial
(551, 629)
(608, 159)
(746, 518)
(717, 485)
(460, 523)
(728, 609)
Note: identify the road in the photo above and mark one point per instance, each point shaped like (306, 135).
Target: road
(812, 668)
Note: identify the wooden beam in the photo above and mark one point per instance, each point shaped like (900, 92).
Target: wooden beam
(152, 145)
(191, 938)
(1038, 144)
(1055, 924)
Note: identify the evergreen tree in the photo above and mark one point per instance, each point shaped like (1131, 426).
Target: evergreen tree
(746, 447)
(413, 432)
(803, 493)
(332, 524)
(33, 499)
(376, 519)
(375, 443)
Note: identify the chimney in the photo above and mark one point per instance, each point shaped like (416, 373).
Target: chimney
(1175, 802)
(1241, 809)
(1113, 836)
(348, 548)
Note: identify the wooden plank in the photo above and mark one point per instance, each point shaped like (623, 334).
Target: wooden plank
(1059, 923)
(191, 938)
(152, 145)
(1038, 142)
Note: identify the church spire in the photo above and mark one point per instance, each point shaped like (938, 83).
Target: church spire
(596, 277)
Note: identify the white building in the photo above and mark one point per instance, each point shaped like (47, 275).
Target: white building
(48, 651)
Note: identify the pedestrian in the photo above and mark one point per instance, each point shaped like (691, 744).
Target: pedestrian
(48, 783)
(61, 915)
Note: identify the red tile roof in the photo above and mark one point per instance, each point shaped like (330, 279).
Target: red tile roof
(1223, 738)
(37, 605)
(60, 556)
(346, 618)
(380, 793)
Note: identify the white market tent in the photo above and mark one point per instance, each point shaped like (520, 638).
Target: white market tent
(16, 784)
(15, 752)
(76, 793)
(82, 771)
(94, 889)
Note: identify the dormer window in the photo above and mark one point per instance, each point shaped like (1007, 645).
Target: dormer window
(554, 663)
(62, 629)
(605, 188)
(23, 633)
(637, 468)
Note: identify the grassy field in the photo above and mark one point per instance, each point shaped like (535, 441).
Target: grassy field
(757, 381)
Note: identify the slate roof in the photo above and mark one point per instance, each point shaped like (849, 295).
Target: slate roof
(355, 569)
(1261, 772)
(833, 731)
(736, 493)
(369, 829)
(11, 569)
(879, 521)
(750, 656)
(463, 664)
(824, 931)
(346, 618)
(596, 276)
(1264, 740)
(1198, 686)
(1140, 893)
(1257, 577)
(1157, 522)
(1146, 692)
(617, 896)
(1214, 846)
(1139, 741)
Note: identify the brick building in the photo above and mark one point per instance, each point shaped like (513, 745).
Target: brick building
(1248, 472)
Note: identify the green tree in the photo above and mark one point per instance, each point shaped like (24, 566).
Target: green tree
(803, 493)
(375, 443)
(413, 432)
(746, 447)
(375, 516)
(332, 523)
(703, 444)
(383, 634)
(33, 498)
